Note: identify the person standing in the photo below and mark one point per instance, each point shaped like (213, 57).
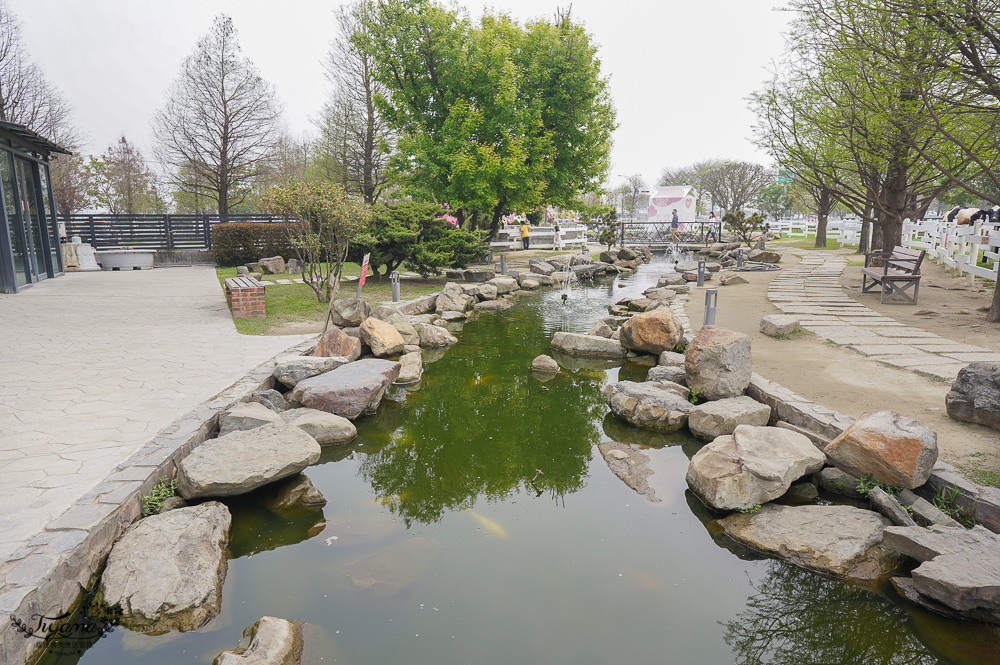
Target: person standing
(556, 235)
(525, 234)
(712, 221)
(675, 223)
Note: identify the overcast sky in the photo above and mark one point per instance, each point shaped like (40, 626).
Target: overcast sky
(680, 71)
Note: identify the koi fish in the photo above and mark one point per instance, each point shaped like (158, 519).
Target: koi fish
(488, 524)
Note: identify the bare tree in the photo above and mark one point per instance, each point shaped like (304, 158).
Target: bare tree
(734, 184)
(219, 121)
(120, 181)
(630, 193)
(694, 175)
(355, 142)
(70, 183)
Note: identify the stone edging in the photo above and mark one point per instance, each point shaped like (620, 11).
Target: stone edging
(63, 561)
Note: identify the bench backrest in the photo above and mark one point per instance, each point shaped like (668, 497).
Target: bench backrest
(906, 259)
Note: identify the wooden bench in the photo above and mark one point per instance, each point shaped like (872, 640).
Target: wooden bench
(245, 296)
(899, 272)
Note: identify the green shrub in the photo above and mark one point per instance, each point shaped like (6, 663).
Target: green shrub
(236, 243)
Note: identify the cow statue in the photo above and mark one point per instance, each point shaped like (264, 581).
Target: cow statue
(960, 216)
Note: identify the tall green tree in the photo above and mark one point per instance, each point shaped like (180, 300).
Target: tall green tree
(490, 116)
(121, 183)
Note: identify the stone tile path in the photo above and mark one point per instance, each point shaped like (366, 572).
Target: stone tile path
(94, 365)
(811, 290)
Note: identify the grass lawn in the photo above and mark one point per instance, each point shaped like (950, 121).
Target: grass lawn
(808, 243)
(296, 303)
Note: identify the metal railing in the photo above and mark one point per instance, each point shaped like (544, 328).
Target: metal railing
(150, 231)
(636, 232)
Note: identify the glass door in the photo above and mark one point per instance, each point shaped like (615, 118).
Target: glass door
(33, 222)
(14, 224)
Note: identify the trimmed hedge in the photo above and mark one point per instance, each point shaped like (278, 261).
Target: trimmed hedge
(236, 243)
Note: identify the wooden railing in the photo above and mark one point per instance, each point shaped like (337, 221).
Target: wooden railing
(150, 231)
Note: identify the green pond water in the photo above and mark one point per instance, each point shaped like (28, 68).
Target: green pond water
(436, 547)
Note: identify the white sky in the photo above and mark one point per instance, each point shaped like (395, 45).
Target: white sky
(680, 70)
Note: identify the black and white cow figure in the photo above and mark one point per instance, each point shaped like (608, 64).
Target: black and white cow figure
(960, 216)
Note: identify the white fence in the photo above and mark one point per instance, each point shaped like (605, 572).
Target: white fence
(959, 247)
(509, 236)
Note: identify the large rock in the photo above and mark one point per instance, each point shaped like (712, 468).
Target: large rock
(835, 481)
(975, 395)
(718, 363)
(751, 467)
(601, 329)
(889, 506)
(591, 346)
(661, 295)
(348, 312)
(714, 419)
(774, 325)
(671, 359)
(671, 279)
(452, 299)
(648, 405)
(730, 278)
(662, 373)
(293, 492)
(272, 399)
(838, 540)
(417, 306)
(271, 641)
(492, 305)
(335, 343)
(326, 428)
(246, 415)
(541, 267)
(411, 368)
(381, 337)
(480, 292)
(544, 364)
(351, 390)
(397, 320)
(887, 446)
(289, 370)
(274, 265)
(652, 332)
(434, 336)
(166, 572)
(626, 254)
(960, 569)
(241, 462)
(503, 284)
(764, 256)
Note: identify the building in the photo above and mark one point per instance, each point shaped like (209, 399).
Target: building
(664, 199)
(29, 233)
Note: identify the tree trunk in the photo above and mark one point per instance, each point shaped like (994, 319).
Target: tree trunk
(993, 316)
(823, 204)
(495, 221)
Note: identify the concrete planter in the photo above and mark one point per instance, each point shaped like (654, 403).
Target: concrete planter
(126, 259)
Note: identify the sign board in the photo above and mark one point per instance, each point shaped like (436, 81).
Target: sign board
(664, 200)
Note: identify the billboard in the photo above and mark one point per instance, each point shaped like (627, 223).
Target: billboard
(663, 200)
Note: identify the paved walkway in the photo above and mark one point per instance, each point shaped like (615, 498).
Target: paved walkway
(93, 366)
(811, 290)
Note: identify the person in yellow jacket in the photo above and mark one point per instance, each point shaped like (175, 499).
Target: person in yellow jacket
(525, 234)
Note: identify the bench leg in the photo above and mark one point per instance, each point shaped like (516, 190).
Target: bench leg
(891, 289)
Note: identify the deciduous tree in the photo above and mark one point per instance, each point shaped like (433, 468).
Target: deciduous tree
(120, 181)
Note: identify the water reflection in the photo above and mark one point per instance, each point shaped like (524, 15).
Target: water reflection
(797, 617)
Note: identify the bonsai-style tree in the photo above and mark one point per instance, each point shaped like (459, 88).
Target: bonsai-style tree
(745, 228)
(330, 221)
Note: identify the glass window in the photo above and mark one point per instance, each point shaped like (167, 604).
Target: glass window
(32, 216)
(50, 218)
(14, 223)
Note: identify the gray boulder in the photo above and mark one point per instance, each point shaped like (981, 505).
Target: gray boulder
(671, 279)
(351, 390)
(889, 447)
(779, 324)
(348, 312)
(335, 343)
(503, 284)
(397, 320)
(662, 294)
(838, 540)
(270, 641)
(718, 363)
(730, 278)
(289, 370)
(975, 395)
(245, 416)
(492, 305)
(272, 399)
(764, 256)
(648, 405)
(434, 336)
(529, 284)
(671, 359)
(714, 419)
(166, 573)
(662, 373)
(452, 299)
(890, 507)
(587, 345)
(580, 260)
(294, 267)
(751, 467)
(480, 292)
(959, 568)
(601, 329)
(835, 481)
(411, 368)
(274, 265)
(326, 428)
(240, 462)
(545, 364)
(541, 267)
(293, 492)
(627, 254)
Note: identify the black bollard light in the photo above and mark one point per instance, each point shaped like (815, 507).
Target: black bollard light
(711, 302)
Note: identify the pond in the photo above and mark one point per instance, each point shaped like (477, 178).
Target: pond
(441, 542)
